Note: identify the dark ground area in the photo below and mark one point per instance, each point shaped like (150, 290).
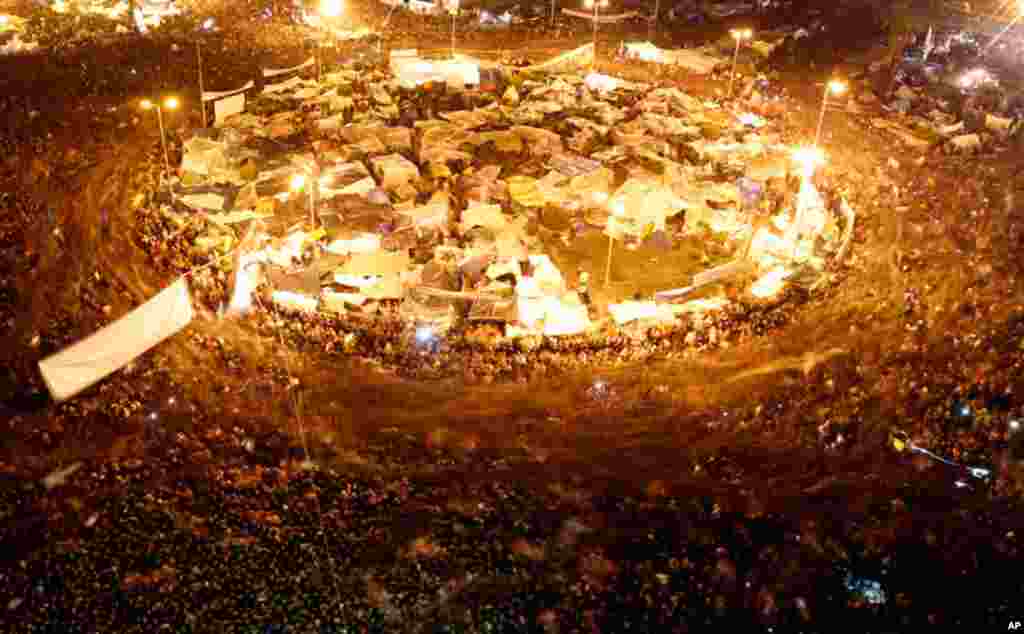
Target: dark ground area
(746, 479)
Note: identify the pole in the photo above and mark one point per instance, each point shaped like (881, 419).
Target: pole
(596, 4)
(654, 22)
(163, 141)
(798, 214)
(821, 116)
(552, 14)
(202, 104)
(735, 58)
(607, 267)
(312, 207)
(453, 34)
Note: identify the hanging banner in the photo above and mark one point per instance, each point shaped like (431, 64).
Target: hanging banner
(601, 19)
(288, 84)
(92, 359)
(214, 96)
(579, 57)
(224, 108)
(269, 72)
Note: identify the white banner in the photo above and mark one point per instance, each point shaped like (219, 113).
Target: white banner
(581, 56)
(602, 19)
(224, 108)
(79, 366)
(287, 84)
(271, 72)
(213, 96)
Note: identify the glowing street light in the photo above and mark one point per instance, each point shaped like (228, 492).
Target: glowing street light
(835, 87)
(596, 5)
(170, 103)
(739, 35)
(330, 8)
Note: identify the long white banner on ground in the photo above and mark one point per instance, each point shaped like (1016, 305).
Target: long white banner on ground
(213, 96)
(102, 353)
(274, 72)
(601, 19)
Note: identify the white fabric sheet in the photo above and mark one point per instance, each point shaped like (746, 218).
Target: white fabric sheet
(274, 72)
(92, 359)
(213, 96)
(224, 108)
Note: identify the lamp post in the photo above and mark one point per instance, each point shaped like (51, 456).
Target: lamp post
(299, 181)
(171, 103)
(207, 25)
(453, 9)
(809, 159)
(199, 62)
(329, 10)
(596, 6)
(654, 22)
(836, 87)
(739, 35)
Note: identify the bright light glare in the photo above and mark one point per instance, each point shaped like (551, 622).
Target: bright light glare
(3, 20)
(1014, 425)
(330, 8)
(424, 334)
(208, 24)
(770, 284)
(296, 301)
(837, 87)
(247, 278)
(297, 182)
(809, 159)
(146, 104)
(973, 78)
(741, 34)
(171, 103)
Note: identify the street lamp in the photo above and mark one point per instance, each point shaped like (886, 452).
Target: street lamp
(170, 103)
(330, 8)
(836, 87)
(454, 11)
(739, 35)
(299, 181)
(596, 5)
